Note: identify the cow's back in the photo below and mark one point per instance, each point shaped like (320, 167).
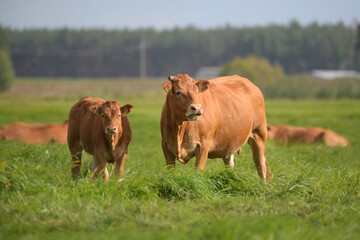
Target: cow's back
(16, 131)
(53, 132)
(238, 104)
(286, 134)
(233, 108)
(241, 95)
(81, 121)
(82, 109)
(61, 132)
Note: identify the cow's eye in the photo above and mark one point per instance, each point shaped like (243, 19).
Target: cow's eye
(178, 93)
(119, 116)
(102, 115)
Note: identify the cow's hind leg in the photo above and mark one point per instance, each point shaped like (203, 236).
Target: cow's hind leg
(76, 153)
(257, 143)
(230, 161)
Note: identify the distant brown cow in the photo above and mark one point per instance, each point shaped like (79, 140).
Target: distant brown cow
(285, 134)
(102, 129)
(213, 119)
(35, 133)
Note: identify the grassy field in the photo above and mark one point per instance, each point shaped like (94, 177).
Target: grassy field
(315, 192)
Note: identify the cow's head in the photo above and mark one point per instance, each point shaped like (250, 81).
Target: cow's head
(111, 112)
(183, 97)
(271, 131)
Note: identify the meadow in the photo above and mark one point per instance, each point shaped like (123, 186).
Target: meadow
(314, 194)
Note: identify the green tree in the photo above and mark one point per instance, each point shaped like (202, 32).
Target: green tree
(6, 70)
(258, 70)
(113, 53)
(358, 37)
(357, 49)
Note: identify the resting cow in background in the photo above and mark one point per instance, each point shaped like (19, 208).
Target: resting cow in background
(286, 134)
(35, 133)
(213, 119)
(102, 129)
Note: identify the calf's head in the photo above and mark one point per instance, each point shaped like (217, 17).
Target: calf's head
(111, 112)
(183, 96)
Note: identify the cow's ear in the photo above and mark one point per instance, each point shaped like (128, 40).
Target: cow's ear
(320, 137)
(167, 87)
(202, 85)
(126, 109)
(95, 110)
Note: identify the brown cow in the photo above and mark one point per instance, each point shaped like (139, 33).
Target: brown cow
(35, 133)
(285, 134)
(213, 119)
(102, 129)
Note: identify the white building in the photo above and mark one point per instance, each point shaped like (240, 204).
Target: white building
(333, 74)
(207, 73)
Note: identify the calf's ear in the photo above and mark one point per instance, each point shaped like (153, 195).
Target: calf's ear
(126, 109)
(202, 85)
(167, 87)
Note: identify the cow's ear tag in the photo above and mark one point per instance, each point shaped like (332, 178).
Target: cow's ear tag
(126, 109)
(167, 87)
(94, 111)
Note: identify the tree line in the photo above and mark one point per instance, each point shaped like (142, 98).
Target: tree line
(6, 70)
(114, 53)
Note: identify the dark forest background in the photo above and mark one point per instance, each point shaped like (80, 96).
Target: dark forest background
(116, 53)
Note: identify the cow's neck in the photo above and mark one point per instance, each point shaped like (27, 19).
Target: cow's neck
(112, 141)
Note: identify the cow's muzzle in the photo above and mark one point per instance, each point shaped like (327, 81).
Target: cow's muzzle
(194, 112)
(111, 130)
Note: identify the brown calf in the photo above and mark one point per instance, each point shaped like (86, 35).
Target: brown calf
(213, 119)
(285, 134)
(35, 133)
(102, 129)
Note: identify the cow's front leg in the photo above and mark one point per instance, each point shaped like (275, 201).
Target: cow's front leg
(93, 165)
(119, 168)
(76, 153)
(99, 167)
(169, 156)
(201, 156)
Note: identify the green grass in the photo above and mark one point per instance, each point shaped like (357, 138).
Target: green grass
(315, 192)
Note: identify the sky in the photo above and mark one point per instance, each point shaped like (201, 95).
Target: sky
(167, 14)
